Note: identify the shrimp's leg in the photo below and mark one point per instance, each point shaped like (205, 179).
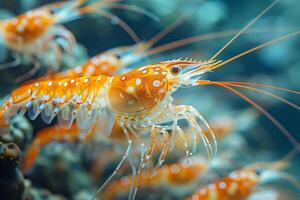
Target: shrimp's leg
(208, 138)
(145, 158)
(125, 156)
(133, 169)
(17, 61)
(57, 57)
(163, 154)
(27, 75)
(67, 39)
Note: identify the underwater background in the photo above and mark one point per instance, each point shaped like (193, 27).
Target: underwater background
(74, 170)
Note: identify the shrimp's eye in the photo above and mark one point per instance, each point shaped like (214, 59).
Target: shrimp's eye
(118, 56)
(258, 171)
(53, 10)
(175, 70)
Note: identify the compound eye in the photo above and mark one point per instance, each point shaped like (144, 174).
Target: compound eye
(118, 56)
(258, 171)
(175, 70)
(53, 11)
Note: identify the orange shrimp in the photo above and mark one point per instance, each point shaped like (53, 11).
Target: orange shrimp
(59, 134)
(44, 137)
(173, 176)
(141, 100)
(240, 184)
(38, 32)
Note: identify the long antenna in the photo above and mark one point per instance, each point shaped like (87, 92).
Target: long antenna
(244, 29)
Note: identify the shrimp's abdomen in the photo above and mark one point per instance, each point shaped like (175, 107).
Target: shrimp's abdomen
(68, 99)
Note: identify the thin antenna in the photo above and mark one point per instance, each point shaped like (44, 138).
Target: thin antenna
(244, 29)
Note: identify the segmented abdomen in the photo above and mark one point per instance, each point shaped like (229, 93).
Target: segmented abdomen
(68, 99)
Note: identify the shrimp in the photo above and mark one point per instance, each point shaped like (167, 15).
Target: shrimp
(141, 100)
(240, 184)
(173, 176)
(38, 32)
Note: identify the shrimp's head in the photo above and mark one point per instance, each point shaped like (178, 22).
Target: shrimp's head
(145, 88)
(261, 173)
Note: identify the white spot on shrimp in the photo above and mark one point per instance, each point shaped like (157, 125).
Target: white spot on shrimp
(175, 169)
(212, 186)
(157, 69)
(144, 71)
(78, 69)
(50, 83)
(130, 89)
(138, 81)
(195, 197)
(232, 188)
(156, 83)
(104, 67)
(90, 69)
(130, 102)
(156, 73)
(164, 73)
(161, 90)
(36, 84)
(72, 81)
(66, 84)
(123, 78)
(222, 185)
(86, 80)
(202, 192)
(233, 175)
